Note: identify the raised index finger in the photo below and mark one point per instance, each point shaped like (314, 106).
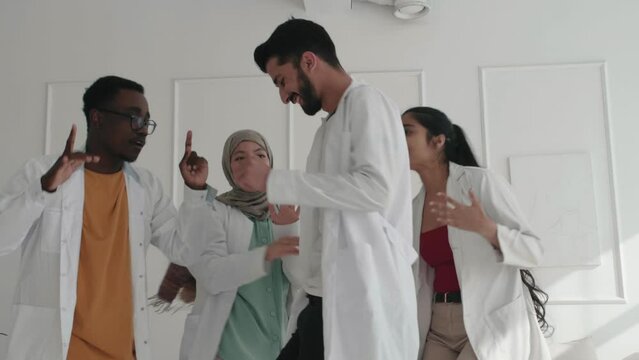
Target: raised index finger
(187, 145)
(68, 148)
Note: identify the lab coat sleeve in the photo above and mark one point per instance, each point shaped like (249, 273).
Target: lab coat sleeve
(217, 270)
(22, 202)
(167, 226)
(293, 266)
(518, 244)
(373, 145)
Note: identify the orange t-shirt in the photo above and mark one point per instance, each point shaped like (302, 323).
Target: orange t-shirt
(103, 323)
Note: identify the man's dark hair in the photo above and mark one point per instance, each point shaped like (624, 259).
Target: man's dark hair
(291, 39)
(104, 90)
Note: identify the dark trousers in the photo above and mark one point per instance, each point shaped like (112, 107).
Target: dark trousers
(307, 343)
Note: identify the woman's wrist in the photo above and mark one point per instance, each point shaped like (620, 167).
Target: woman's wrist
(489, 231)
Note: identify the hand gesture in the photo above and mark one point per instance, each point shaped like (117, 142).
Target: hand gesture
(253, 178)
(284, 246)
(66, 164)
(470, 218)
(194, 169)
(284, 214)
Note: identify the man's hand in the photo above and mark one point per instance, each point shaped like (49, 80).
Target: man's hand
(284, 246)
(194, 169)
(253, 178)
(66, 164)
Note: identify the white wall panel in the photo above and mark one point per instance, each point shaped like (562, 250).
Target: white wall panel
(557, 193)
(64, 108)
(555, 109)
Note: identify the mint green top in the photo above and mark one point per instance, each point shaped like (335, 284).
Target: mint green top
(258, 318)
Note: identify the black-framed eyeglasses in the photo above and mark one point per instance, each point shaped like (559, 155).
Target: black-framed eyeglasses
(137, 122)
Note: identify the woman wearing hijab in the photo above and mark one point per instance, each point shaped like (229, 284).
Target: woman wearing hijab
(241, 294)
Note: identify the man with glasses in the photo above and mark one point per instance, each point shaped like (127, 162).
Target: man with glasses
(83, 221)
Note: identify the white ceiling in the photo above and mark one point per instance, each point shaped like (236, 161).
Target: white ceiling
(313, 6)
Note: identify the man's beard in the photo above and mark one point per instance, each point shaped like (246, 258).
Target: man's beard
(311, 102)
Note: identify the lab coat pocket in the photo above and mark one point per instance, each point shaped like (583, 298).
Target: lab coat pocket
(51, 230)
(510, 328)
(404, 247)
(34, 334)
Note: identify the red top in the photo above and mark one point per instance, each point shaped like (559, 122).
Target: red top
(435, 250)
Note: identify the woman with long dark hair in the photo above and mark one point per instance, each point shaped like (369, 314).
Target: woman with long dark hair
(476, 298)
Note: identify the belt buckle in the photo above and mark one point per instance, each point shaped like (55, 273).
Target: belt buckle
(446, 297)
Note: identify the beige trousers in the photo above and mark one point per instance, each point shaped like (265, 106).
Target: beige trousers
(447, 338)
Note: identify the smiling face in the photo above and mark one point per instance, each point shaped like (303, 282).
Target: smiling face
(247, 154)
(294, 86)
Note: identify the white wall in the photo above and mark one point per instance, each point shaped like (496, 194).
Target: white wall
(157, 42)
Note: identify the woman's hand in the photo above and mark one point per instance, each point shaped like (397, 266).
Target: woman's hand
(470, 218)
(284, 214)
(194, 168)
(284, 246)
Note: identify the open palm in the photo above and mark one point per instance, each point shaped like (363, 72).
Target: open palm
(284, 214)
(66, 164)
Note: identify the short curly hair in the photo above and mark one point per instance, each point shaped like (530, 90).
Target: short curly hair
(104, 90)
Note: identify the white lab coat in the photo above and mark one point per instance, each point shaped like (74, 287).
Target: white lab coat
(362, 190)
(48, 229)
(498, 311)
(225, 264)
